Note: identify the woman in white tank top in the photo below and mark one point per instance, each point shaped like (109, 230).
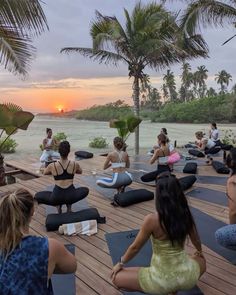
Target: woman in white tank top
(48, 152)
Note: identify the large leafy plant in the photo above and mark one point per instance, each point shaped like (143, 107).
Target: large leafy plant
(12, 118)
(125, 126)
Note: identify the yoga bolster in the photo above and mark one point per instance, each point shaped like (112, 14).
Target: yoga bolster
(187, 181)
(220, 167)
(133, 197)
(214, 150)
(84, 154)
(190, 167)
(53, 221)
(196, 153)
(226, 147)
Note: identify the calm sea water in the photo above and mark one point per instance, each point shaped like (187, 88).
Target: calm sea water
(80, 133)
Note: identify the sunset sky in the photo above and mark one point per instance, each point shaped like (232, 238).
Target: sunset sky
(73, 82)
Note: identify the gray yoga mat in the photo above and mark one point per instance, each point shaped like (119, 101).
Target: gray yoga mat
(212, 179)
(209, 195)
(107, 193)
(207, 227)
(64, 283)
(118, 244)
(81, 205)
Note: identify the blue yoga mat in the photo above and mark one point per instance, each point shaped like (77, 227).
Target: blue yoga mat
(220, 180)
(119, 242)
(64, 284)
(209, 195)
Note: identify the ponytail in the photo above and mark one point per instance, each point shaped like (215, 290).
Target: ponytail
(15, 213)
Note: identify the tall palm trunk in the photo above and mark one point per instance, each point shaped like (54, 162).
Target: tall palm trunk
(136, 90)
(2, 171)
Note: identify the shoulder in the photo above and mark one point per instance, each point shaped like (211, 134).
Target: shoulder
(151, 219)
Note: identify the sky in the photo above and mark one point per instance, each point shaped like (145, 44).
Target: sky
(61, 81)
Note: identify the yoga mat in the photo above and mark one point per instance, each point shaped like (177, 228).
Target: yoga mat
(142, 166)
(212, 179)
(83, 204)
(137, 178)
(209, 195)
(118, 244)
(64, 283)
(107, 193)
(207, 227)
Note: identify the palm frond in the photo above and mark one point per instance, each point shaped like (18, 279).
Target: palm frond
(12, 107)
(16, 51)
(24, 15)
(229, 39)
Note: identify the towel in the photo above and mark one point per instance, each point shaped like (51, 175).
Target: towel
(87, 227)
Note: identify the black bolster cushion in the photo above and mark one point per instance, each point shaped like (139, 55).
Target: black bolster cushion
(226, 147)
(190, 167)
(220, 167)
(214, 150)
(187, 181)
(133, 197)
(196, 153)
(84, 154)
(53, 221)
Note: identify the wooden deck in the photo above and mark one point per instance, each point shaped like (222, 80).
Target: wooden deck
(93, 259)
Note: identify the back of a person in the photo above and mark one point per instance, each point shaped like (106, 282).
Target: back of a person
(25, 270)
(118, 160)
(63, 173)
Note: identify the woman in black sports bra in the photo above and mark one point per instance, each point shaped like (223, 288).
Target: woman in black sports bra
(64, 191)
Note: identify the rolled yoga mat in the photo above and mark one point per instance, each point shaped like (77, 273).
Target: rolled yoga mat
(209, 195)
(119, 242)
(64, 283)
(80, 205)
(207, 227)
(212, 179)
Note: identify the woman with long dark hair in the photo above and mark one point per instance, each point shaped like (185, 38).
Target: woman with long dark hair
(226, 236)
(171, 268)
(27, 262)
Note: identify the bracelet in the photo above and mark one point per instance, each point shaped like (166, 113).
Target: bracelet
(198, 253)
(121, 262)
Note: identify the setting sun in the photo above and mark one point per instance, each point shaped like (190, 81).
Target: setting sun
(59, 108)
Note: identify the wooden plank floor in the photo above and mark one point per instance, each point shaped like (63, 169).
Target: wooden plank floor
(94, 262)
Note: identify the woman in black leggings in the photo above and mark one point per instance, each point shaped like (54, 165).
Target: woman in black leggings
(64, 191)
(162, 151)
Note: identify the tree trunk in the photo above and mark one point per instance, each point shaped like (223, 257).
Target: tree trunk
(136, 91)
(2, 171)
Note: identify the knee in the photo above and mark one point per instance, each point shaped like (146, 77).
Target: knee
(220, 237)
(84, 191)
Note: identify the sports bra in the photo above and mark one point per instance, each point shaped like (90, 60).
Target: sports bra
(119, 164)
(65, 175)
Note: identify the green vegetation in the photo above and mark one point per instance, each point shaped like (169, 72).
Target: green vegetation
(8, 146)
(105, 112)
(98, 142)
(60, 136)
(220, 108)
(229, 137)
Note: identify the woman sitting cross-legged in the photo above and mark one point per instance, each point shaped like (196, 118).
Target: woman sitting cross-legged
(48, 144)
(118, 160)
(226, 236)
(64, 191)
(171, 268)
(160, 154)
(205, 144)
(27, 262)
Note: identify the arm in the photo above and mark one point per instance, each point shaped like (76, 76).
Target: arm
(60, 259)
(48, 169)
(127, 161)
(78, 169)
(231, 190)
(195, 239)
(107, 163)
(203, 144)
(155, 156)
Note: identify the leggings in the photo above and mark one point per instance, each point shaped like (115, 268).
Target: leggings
(118, 180)
(151, 176)
(61, 196)
(226, 236)
(46, 155)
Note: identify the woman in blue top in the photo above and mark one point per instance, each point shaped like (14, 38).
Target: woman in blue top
(27, 262)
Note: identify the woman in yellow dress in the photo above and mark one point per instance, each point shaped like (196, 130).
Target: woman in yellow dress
(171, 268)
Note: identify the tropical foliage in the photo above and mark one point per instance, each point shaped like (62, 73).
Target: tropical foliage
(223, 78)
(20, 21)
(9, 145)
(98, 142)
(151, 37)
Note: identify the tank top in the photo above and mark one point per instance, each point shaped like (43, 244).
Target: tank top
(65, 174)
(119, 164)
(25, 271)
(49, 142)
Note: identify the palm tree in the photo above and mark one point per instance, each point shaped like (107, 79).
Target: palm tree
(223, 78)
(211, 92)
(186, 79)
(201, 76)
(169, 81)
(165, 92)
(149, 38)
(203, 12)
(20, 21)
(233, 90)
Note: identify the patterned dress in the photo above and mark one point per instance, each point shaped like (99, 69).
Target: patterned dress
(25, 271)
(171, 269)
